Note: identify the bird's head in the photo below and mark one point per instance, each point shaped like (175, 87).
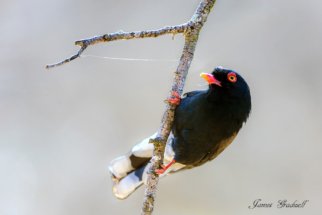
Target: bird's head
(227, 85)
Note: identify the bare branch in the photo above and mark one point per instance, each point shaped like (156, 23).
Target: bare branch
(191, 32)
(121, 35)
(68, 59)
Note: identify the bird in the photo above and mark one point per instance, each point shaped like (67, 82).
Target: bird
(205, 123)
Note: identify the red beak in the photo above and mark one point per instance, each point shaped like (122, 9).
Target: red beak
(210, 79)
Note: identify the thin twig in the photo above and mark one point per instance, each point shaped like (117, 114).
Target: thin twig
(78, 54)
(121, 35)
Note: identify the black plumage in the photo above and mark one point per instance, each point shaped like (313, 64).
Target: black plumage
(206, 122)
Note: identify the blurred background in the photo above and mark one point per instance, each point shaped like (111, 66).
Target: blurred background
(60, 128)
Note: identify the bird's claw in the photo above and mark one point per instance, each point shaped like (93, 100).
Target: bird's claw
(163, 168)
(175, 98)
(160, 171)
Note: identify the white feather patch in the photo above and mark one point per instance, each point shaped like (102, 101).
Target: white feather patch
(126, 186)
(120, 166)
(144, 148)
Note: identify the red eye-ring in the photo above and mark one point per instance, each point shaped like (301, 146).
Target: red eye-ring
(232, 77)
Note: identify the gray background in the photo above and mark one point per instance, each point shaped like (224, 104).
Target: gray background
(60, 128)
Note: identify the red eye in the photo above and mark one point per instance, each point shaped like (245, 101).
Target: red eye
(232, 77)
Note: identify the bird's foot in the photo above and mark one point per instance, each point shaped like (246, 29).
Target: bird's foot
(164, 168)
(175, 98)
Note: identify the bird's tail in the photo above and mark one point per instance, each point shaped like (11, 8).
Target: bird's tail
(129, 171)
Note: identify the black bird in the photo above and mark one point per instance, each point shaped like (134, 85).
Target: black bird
(206, 122)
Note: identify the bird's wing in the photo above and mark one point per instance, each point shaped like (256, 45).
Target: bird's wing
(221, 146)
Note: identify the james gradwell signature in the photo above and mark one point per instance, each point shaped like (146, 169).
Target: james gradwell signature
(259, 203)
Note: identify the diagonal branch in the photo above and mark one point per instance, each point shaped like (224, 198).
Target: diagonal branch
(167, 122)
(191, 37)
(73, 57)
